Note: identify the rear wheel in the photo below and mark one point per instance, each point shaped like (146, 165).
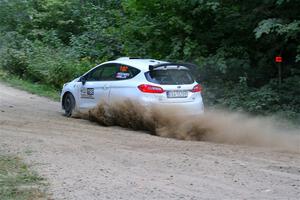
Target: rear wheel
(69, 105)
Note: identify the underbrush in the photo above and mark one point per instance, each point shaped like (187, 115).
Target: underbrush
(39, 62)
(29, 86)
(18, 182)
(280, 102)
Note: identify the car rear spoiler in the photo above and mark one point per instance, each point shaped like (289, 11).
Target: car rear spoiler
(190, 66)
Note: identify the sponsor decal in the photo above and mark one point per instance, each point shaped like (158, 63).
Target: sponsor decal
(90, 91)
(122, 75)
(87, 93)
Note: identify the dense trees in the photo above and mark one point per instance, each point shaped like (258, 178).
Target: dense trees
(233, 42)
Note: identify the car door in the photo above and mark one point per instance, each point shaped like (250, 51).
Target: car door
(97, 86)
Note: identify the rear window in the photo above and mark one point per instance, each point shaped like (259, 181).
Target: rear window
(170, 77)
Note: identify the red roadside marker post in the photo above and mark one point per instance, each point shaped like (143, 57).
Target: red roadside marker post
(278, 60)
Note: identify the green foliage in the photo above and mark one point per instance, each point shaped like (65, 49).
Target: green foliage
(29, 86)
(277, 26)
(12, 57)
(49, 65)
(298, 56)
(266, 100)
(100, 40)
(15, 15)
(17, 181)
(233, 42)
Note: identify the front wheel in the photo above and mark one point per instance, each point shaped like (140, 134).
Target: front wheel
(69, 105)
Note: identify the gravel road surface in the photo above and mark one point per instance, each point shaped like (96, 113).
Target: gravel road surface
(82, 160)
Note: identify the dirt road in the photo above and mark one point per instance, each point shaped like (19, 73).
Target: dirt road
(83, 160)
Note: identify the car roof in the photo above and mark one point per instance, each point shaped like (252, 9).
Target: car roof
(139, 63)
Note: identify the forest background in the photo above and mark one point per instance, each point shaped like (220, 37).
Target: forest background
(234, 43)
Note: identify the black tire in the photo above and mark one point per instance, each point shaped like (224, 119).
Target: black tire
(69, 105)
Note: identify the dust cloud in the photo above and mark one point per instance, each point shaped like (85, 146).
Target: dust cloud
(213, 126)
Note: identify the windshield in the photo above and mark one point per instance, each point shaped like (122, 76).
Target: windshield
(170, 77)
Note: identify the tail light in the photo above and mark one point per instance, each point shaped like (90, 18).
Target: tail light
(197, 88)
(150, 89)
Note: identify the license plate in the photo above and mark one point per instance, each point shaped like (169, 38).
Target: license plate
(177, 94)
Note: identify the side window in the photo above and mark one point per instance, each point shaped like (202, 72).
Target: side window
(109, 72)
(102, 73)
(112, 72)
(134, 71)
(126, 72)
(94, 75)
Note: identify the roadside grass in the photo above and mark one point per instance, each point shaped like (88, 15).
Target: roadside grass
(17, 182)
(34, 88)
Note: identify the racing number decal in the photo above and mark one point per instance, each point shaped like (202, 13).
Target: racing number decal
(87, 93)
(124, 68)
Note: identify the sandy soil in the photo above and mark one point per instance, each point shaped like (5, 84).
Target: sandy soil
(83, 160)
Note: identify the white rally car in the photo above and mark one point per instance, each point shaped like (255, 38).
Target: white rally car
(146, 81)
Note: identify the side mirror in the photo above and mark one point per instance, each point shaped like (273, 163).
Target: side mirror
(82, 80)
